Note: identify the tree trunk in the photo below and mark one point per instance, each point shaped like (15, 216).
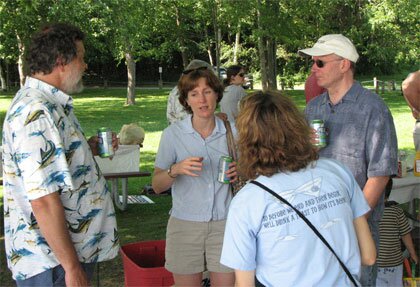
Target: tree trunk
(237, 43)
(271, 64)
(182, 46)
(262, 51)
(217, 36)
(21, 61)
(131, 76)
(211, 61)
(3, 76)
(209, 46)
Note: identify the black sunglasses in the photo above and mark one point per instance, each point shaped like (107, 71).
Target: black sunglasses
(321, 64)
(241, 75)
(186, 72)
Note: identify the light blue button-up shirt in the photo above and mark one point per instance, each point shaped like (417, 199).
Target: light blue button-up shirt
(201, 198)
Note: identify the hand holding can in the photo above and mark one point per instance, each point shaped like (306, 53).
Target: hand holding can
(224, 163)
(105, 143)
(320, 133)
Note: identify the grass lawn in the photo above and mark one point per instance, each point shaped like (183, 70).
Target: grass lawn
(98, 107)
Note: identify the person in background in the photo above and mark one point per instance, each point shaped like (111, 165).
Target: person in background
(312, 89)
(411, 92)
(361, 132)
(187, 160)
(233, 92)
(394, 227)
(59, 219)
(263, 236)
(174, 110)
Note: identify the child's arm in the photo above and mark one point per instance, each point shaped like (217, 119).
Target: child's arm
(366, 243)
(408, 242)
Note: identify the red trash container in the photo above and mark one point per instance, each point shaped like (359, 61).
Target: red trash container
(144, 264)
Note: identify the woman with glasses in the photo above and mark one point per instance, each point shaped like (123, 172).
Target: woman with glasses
(234, 92)
(267, 238)
(187, 160)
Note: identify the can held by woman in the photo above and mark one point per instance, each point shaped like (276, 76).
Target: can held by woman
(318, 126)
(224, 162)
(105, 148)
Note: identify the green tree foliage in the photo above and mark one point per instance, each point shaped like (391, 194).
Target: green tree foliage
(385, 32)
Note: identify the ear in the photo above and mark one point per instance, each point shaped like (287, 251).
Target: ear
(345, 65)
(59, 64)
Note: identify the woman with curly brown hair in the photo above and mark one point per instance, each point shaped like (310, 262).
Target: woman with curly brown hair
(187, 160)
(265, 237)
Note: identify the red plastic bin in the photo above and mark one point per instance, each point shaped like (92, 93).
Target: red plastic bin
(144, 264)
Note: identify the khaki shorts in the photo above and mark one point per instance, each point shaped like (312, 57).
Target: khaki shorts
(193, 247)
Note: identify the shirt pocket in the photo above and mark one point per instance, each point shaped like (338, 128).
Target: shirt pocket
(347, 137)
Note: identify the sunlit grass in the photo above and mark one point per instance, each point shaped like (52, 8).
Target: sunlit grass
(106, 108)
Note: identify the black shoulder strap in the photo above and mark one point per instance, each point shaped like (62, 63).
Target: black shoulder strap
(310, 225)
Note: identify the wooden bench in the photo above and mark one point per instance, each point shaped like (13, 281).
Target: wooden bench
(114, 178)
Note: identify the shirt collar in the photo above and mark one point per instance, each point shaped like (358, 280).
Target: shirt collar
(57, 96)
(351, 95)
(187, 127)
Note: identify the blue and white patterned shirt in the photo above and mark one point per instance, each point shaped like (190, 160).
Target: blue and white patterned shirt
(45, 151)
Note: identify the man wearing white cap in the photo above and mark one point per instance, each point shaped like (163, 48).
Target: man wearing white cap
(361, 132)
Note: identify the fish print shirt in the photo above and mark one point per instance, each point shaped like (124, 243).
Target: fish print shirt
(45, 151)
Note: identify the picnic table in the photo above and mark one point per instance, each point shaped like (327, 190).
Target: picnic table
(114, 177)
(406, 190)
(124, 164)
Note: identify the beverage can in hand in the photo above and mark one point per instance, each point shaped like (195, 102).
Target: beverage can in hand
(105, 148)
(224, 162)
(318, 126)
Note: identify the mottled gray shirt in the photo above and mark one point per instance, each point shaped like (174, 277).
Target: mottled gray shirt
(361, 134)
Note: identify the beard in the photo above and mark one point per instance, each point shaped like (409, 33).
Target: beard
(74, 83)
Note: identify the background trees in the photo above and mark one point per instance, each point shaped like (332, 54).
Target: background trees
(263, 35)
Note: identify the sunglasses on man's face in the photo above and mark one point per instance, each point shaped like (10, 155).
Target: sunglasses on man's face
(321, 64)
(186, 72)
(241, 75)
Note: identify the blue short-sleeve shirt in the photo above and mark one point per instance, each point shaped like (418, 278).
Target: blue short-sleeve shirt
(265, 235)
(361, 132)
(201, 198)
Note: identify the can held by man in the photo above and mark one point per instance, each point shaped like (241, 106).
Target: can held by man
(319, 127)
(224, 162)
(105, 148)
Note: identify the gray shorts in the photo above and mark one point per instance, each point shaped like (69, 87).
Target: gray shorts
(193, 247)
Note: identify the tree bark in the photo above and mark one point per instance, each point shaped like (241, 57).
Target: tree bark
(3, 76)
(21, 60)
(262, 51)
(131, 77)
(237, 43)
(182, 46)
(271, 64)
(267, 53)
(217, 36)
(209, 46)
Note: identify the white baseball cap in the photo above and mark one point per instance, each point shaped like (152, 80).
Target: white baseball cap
(333, 44)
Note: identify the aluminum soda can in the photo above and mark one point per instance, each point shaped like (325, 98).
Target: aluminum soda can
(318, 126)
(105, 148)
(224, 162)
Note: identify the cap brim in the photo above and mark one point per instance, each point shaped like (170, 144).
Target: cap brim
(315, 52)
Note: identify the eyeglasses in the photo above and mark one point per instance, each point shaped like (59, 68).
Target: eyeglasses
(241, 75)
(186, 72)
(321, 64)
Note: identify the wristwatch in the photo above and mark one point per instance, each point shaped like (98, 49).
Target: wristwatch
(169, 171)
